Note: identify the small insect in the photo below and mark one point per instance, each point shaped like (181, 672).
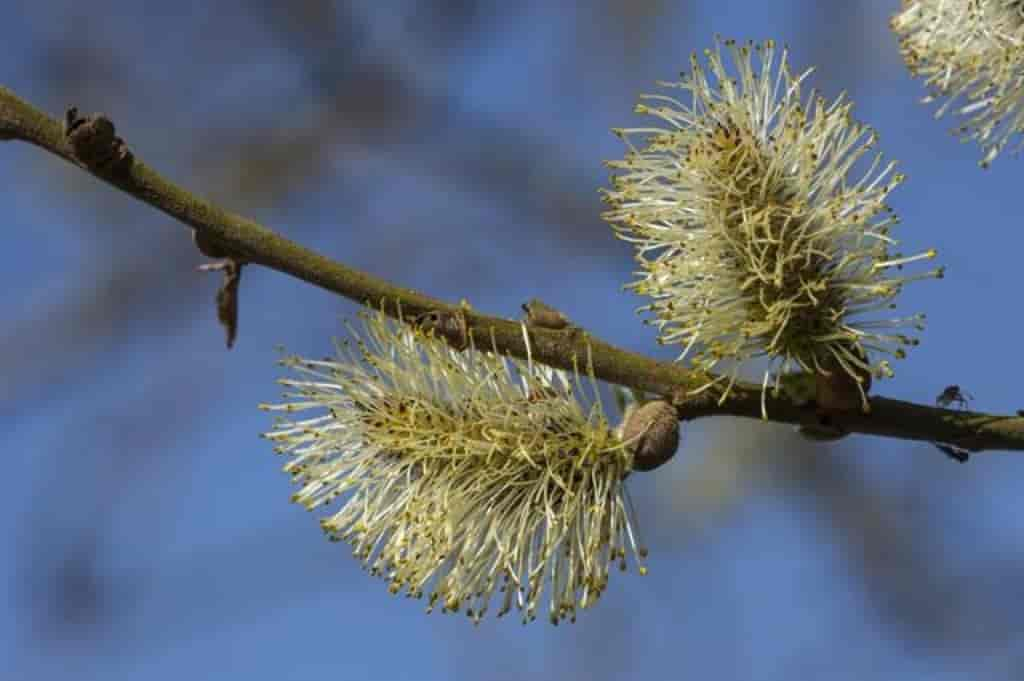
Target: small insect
(953, 394)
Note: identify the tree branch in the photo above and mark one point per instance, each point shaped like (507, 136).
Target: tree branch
(565, 348)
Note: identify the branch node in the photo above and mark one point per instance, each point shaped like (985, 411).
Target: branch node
(838, 391)
(447, 324)
(690, 403)
(208, 245)
(95, 144)
(542, 316)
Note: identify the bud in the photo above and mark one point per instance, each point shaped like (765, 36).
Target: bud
(446, 324)
(843, 384)
(652, 431)
(541, 315)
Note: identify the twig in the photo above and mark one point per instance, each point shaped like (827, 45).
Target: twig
(248, 241)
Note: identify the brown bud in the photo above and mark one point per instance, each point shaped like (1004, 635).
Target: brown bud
(95, 142)
(837, 390)
(543, 316)
(207, 245)
(449, 325)
(652, 430)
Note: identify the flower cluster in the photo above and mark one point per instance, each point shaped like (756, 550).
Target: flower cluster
(971, 53)
(461, 476)
(752, 239)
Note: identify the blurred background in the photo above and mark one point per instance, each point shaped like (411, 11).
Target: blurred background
(455, 146)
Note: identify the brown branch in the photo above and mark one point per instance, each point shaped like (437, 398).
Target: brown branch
(565, 348)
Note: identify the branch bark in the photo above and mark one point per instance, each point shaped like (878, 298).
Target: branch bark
(565, 348)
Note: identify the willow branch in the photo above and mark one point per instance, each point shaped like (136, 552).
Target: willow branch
(567, 348)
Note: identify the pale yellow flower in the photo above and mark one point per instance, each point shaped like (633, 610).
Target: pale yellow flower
(753, 239)
(969, 53)
(461, 477)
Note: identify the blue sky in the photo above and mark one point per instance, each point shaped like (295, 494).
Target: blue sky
(147, 530)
